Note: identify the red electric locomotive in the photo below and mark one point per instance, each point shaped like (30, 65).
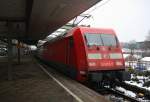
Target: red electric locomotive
(86, 54)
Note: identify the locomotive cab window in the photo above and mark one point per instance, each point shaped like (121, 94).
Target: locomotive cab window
(100, 39)
(93, 39)
(109, 40)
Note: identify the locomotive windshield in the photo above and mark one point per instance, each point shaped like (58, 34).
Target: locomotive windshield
(101, 39)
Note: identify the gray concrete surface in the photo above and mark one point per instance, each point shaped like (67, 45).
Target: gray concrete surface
(30, 84)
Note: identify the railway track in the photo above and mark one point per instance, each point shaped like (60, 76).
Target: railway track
(135, 94)
(120, 94)
(135, 89)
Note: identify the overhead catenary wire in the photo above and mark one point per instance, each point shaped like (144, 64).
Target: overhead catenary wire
(96, 7)
(89, 12)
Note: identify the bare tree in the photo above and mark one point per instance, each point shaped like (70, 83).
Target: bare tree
(146, 45)
(148, 36)
(132, 46)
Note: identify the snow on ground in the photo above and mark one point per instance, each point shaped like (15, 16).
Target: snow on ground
(137, 84)
(142, 77)
(134, 83)
(142, 80)
(131, 94)
(143, 100)
(145, 59)
(126, 92)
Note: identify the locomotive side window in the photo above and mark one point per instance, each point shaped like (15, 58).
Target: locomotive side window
(100, 39)
(71, 41)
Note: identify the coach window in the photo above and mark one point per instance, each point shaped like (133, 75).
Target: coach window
(71, 41)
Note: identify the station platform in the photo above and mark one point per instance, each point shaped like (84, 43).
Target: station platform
(30, 83)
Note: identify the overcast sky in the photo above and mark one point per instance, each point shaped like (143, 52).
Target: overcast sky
(129, 18)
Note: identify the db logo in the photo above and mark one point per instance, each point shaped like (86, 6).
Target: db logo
(106, 56)
(103, 48)
(107, 64)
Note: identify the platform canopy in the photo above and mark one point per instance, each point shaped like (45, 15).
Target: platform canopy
(31, 20)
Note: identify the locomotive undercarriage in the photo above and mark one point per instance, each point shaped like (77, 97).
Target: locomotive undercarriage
(107, 78)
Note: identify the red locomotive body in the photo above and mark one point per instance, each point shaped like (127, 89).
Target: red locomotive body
(86, 54)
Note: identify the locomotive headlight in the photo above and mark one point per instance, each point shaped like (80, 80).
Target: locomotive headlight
(82, 72)
(119, 63)
(115, 56)
(94, 56)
